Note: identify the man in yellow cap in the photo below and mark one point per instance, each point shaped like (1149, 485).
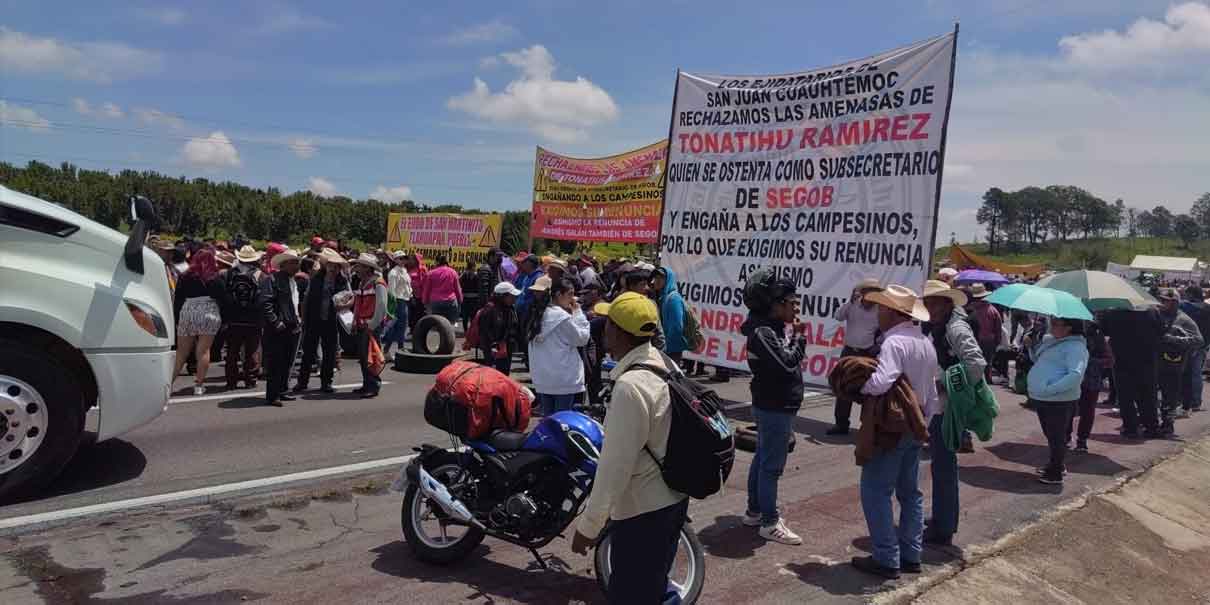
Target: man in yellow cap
(629, 488)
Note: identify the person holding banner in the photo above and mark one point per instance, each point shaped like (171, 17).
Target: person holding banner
(860, 338)
(777, 389)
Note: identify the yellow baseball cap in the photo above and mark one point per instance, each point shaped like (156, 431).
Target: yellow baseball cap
(633, 312)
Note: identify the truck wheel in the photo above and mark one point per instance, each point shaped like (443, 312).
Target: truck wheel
(444, 329)
(41, 419)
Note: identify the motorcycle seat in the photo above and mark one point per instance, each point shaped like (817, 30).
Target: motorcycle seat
(506, 441)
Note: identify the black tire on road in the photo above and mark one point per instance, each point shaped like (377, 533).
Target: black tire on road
(696, 553)
(436, 465)
(414, 363)
(64, 401)
(445, 330)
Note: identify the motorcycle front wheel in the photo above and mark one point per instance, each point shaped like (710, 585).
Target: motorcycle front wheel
(688, 571)
(425, 526)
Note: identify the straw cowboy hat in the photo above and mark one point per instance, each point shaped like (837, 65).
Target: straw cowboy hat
(901, 299)
(331, 257)
(940, 289)
(869, 283)
(367, 259)
(542, 284)
(980, 291)
(248, 254)
(284, 256)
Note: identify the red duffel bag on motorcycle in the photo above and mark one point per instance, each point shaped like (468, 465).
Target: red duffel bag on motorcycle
(471, 400)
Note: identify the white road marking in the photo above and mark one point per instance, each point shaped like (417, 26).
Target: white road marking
(201, 495)
(247, 394)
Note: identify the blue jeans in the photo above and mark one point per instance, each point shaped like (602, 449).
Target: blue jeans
(894, 472)
(773, 431)
(945, 482)
(549, 404)
(397, 333)
(1193, 379)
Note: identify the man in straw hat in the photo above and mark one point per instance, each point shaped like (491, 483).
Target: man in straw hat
(369, 311)
(953, 339)
(243, 316)
(399, 287)
(990, 324)
(907, 352)
(279, 301)
(320, 324)
(860, 319)
(630, 489)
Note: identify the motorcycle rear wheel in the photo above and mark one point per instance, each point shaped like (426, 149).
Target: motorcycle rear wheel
(690, 557)
(442, 549)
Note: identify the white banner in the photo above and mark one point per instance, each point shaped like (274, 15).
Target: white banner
(829, 175)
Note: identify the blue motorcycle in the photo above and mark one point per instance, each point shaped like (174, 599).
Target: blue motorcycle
(523, 488)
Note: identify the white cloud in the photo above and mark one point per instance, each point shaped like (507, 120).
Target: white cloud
(1184, 31)
(155, 117)
(492, 31)
(16, 116)
(108, 110)
(557, 110)
(163, 16)
(282, 19)
(211, 152)
(302, 148)
(1052, 119)
(111, 110)
(103, 62)
(391, 195)
(321, 187)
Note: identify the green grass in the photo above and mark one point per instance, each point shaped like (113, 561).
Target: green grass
(1087, 254)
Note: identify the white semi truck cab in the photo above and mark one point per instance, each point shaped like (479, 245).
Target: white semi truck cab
(85, 321)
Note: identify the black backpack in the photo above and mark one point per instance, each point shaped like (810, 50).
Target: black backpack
(701, 445)
(242, 288)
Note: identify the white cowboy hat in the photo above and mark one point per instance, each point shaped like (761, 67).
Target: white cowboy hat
(248, 254)
(558, 262)
(899, 298)
(980, 291)
(332, 257)
(504, 287)
(941, 289)
(284, 256)
(947, 272)
(367, 259)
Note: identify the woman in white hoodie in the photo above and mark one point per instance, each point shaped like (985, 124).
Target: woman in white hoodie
(555, 365)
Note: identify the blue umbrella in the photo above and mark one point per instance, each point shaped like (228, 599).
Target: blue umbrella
(975, 276)
(1046, 301)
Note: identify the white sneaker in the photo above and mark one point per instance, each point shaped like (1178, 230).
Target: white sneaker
(751, 519)
(199, 389)
(780, 533)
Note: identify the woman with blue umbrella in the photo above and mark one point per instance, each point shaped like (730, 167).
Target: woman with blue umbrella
(1059, 363)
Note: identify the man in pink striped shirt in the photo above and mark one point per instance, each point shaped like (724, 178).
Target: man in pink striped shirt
(442, 292)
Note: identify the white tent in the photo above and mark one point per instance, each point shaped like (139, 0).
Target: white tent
(1164, 264)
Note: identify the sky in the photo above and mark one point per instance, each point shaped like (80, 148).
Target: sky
(445, 102)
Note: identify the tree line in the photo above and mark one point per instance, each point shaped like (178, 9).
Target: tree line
(1033, 215)
(204, 208)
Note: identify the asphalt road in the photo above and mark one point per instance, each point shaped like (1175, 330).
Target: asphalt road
(339, 541)
(229, 437)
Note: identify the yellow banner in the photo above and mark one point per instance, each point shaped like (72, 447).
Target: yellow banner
(460, 237)
(613, 199)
